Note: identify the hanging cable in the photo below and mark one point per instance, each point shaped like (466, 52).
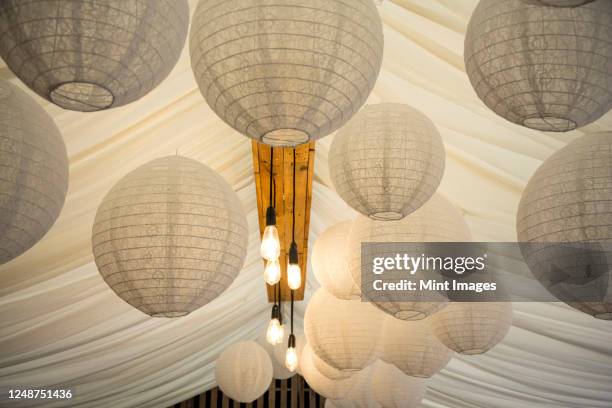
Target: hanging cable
(294, 274)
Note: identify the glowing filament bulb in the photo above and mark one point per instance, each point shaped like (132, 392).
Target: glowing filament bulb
(272, 272)
(291, 359)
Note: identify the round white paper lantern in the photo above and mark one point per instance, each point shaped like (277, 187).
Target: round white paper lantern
(569, 200)
(343, 333)
(330, 262)
(170, 236)
(412, 347)
(436, 221)
(546, 68)
(33, 172)
(92, 55)
(282, 73)
(472, 327)
(387, 161)
(332, 389)
(244, 371)
(362, 393)
(394, 389)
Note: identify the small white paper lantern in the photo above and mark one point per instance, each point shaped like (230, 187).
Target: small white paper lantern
(569, 200)
(332, 389)
(394, 389)
(343, 333)
(282, 73)
(472, 327)
(244, 371)
(33, 172)
(92, 55)
(330, 262)
(545, 68)
(412, 347)
(387, 161)
(436, 221)
(170, 237)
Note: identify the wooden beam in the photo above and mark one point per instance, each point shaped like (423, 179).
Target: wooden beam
(283, 182)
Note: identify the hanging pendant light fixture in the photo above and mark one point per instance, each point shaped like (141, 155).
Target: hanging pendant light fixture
(270, 243)
(275, 332)
(294, 273)
(291, 357)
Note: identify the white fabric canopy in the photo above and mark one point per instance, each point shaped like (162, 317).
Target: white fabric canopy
(60, 325)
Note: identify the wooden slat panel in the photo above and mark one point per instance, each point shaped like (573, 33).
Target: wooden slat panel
(283, 178)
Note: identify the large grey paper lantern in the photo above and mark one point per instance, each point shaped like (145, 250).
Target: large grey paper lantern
(472, 327)
(343, 333)
(170, 236)
(569, 200)
(330, 262)
(33, 172)
(436, 221)
(282, 73)
(92, 55)
(412, 347)
(244, 371)
(546, 68)
(387, 161)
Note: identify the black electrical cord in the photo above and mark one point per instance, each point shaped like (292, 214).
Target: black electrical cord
(271, 176)
(293, 226)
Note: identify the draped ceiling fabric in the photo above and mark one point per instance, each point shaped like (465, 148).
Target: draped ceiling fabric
(60, 325)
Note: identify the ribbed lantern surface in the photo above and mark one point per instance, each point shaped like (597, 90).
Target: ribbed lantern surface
(568, 203)
(286, 72)
(343, 333)
(387, 161)
(546, 68)
(472, 327)
(170, 236)
(332, 389)
(412, 347)
(394, 389)
(436, 221)
(330, 262)
(244, 371)
(329, 371)
(33, 172)
(92, 55)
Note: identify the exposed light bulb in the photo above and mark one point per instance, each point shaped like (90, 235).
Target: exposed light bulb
(272, 272)
(294, 276)
(291, 359)
(270, 244)
(275, 332)
(294, 273)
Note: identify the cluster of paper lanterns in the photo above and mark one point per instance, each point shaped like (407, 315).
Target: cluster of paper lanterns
(542, 64)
